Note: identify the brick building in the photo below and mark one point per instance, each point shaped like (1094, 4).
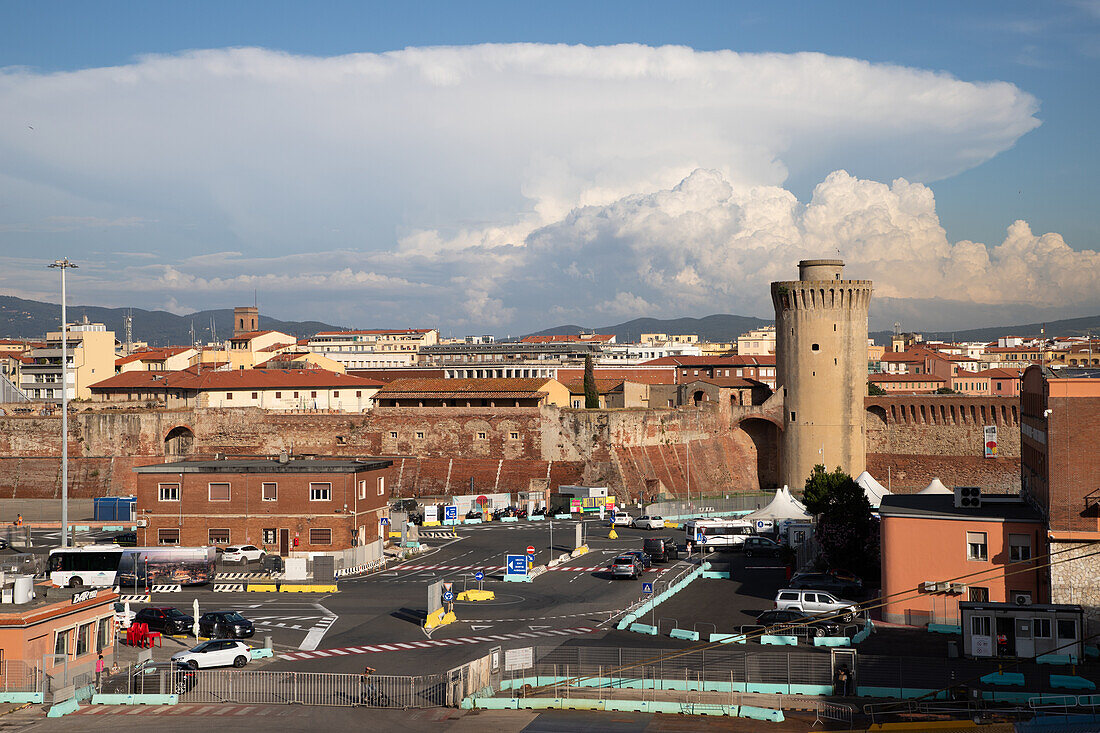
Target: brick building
(286, 504)
(1060, 471)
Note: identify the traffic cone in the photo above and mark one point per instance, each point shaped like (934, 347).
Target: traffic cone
(612, 535)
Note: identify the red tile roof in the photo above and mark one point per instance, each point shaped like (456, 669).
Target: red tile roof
(152, 354)
(731, 382)
(603, 386)
(248, 336)
(996, 373)
(234, 379)
(624, 374)
(400, 387)
(732, 360)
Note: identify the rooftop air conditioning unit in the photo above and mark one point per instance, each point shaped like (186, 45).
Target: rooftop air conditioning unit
(958, 588)
(930, 586)
(1022, 599)
(968, 496)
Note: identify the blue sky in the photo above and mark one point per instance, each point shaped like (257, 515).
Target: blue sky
(442, 240)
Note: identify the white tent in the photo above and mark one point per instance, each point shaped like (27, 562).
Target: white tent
(935, 487)
(873, 490)
(783, 506)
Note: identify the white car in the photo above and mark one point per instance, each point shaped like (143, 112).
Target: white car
(650, 522)
(215, 653)
(242, 554)
(622, 518)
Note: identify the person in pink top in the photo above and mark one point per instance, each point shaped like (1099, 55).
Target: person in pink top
(99, 665)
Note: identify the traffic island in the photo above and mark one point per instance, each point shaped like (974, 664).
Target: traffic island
(476, 595)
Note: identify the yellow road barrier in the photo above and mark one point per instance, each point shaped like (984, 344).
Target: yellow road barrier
(476, 595)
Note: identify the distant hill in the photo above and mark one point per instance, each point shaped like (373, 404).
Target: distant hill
(21, 318)
(1065, 327)
(719, 327)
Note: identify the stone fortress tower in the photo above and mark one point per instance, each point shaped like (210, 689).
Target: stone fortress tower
(821, 367)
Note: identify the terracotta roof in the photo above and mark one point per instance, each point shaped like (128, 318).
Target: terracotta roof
(276, 347)
(624, 374)
(733, 382)
(402, 387)
(997, 373)
(902, 357)
(583, 338)
(603, 386)
(248, 336)
(152, 354)
(1010, 349)
(461, 396)
(905, 378)
(234, 379)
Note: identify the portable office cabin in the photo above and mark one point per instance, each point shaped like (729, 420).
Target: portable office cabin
(1029, 630)
(113, 508)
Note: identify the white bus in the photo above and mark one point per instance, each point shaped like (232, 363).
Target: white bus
(720, 534)
(137, 567)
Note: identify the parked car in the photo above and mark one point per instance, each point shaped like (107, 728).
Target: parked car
(776, 620)
(761, 546)
(473, 514)
(126, 539)
(661, 549)
(152, 678)
(643, 558)
(649, 522)
(243, 554)
(225, 625)
(626, 566)
(622, 518)
(815, 602)
(215, 653)
(165, 619)
(826, 582)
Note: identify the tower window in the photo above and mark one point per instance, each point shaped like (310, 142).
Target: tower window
(792, 416)
(815, 347)
(834, 326)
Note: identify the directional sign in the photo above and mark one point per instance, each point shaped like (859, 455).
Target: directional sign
(647, 588)
(479, 575)
(530, 550)
(384, 521)
(450, 512)
(448, 596)
(517, 564)
(702, 539)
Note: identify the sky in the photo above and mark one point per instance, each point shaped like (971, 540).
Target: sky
(507, 167)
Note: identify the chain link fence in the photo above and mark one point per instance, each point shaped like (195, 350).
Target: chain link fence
(708, 506)
(19, 676)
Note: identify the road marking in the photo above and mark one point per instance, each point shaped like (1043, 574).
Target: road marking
(315, 634)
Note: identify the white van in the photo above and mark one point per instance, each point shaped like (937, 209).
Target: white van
(814, 602)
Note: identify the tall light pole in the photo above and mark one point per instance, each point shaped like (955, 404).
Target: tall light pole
(64, 264)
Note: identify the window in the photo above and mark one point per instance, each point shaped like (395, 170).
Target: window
(295, 395)
(358, 393)
(169, 492)
(1019, 547)
(576, 404)
(419, 435)
(320, 492)
(978, 595)
(792, 415)
(513, 436)
(481, 436)
(393, 434)
(228, 395)
(336, 393)
(61, 643)
(979, 625)
(269, 491)
(270, 536)
(1041, 627)
(1067, 628)
(975, 546)
(168, 536)
(83, 638)
(381, 485)
(320, 536)
(219, 536)
(362, 489)
(278, 395)
(219, 492)
(313, 394)
(815, 347)
(255, 395)
(103, 638)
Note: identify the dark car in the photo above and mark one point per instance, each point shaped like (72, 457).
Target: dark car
(404, 505)
(164, 619)
(225, 625)
(643, 558)
(660, 549)
(152, 678)
(843, 587)
(126, 539)
(761, 546)
(779, 620)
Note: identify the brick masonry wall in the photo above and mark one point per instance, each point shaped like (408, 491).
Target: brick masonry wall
(1073, 447)
(1076, 579)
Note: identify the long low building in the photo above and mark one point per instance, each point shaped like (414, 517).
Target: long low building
(472, 393)
(270, 389)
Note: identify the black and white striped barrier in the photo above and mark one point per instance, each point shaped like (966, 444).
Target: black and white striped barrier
(229, 587)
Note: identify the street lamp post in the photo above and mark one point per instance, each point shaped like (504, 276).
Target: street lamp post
(64, 264)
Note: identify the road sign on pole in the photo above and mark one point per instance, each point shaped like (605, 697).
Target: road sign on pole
(384, 521)
(647, 588)
(448, 596)
(450, 512)
(530, 549)
(516, 565)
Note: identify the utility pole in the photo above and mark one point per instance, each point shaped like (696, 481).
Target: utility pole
(64, 264)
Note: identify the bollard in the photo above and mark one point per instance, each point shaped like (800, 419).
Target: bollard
(267, 642)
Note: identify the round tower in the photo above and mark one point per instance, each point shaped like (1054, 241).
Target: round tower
(821, 367)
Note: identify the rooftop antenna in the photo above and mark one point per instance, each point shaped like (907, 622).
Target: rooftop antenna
(128, 327)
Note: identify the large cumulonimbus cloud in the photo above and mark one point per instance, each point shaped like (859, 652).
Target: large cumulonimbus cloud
(500, 186)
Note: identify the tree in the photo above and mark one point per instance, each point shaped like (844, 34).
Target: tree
(591, 393)
(846, 531)
(945, 390)
(874, 390)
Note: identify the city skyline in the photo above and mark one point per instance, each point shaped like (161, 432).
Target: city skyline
(513, 176)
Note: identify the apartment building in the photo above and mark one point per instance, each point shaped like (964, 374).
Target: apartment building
(91, 358)
(373, 349)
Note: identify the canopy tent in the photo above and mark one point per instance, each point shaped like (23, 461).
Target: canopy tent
(935, 487)
(873, 490)
(783, 506)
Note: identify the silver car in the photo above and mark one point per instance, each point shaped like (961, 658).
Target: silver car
(626, 566)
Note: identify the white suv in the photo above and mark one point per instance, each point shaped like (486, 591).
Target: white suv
(243, 554)
(215, 653)
(649, 522)
(813, 602)
(622, 518)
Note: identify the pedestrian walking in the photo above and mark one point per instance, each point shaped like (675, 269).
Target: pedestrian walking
(840, 685)
(99, 667)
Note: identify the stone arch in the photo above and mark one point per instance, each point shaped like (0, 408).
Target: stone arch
(180, 441)
(876, 416)
(764, 434)
(698, 397)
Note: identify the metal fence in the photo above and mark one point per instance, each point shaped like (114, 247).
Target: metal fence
(18, 676)
(705, 506)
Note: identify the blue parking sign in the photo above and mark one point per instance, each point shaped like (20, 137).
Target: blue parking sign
(647, 588)
(450, 512)
(448, 596)
(517, 565)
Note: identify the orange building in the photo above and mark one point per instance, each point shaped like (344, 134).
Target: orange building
(935, 554)
(60, 629)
